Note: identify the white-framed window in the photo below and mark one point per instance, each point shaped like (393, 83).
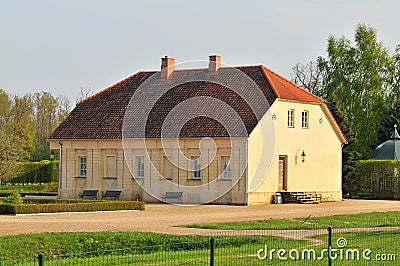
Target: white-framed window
(110, 166)
(82, 166)
(290, 119)
(225, 167)
(139, 167)
(304, 119)
(195, 168)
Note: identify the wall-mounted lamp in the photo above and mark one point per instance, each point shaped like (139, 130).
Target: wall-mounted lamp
(303, 156)
(52, 155)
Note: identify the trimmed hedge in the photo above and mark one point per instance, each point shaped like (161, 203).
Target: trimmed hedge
(376, 178)
(72, 206)
(35, 172)
(6, 193)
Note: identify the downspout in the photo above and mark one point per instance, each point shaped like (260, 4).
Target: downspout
(245, 176)
(60, 170)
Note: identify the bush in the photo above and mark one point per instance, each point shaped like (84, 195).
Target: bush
(71, 206)
(14, 198)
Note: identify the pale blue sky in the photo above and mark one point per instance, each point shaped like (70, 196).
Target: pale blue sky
(61, 45)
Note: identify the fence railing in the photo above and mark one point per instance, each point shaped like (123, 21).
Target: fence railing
(343, 245)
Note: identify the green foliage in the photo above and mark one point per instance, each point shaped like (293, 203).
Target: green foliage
(26, 122)
(35, 172)
(71, 206)
(14, 198)
(368, 171)
(35, 188)
(362, 77)
(349, 155)
(388, 121)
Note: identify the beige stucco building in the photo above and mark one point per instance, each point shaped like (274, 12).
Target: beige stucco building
(231, 135)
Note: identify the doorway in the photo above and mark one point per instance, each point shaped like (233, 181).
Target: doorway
(282, 179)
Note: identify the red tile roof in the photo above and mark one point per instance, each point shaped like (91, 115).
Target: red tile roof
(286, 89)
(101, 116)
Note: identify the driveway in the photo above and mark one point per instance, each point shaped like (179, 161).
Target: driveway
(161, 218)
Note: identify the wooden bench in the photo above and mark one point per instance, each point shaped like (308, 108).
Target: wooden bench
(172, 195)
(89, 194)
(111, 194)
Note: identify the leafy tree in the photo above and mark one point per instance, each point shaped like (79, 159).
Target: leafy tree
(45, 119)
(388, 121)
(10, 152)
(63, 108)
(360, 75)
(364, 78)
(22, 124)
(5, 110)
(349, 155)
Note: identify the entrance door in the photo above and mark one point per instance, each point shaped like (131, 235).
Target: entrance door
(282, 179)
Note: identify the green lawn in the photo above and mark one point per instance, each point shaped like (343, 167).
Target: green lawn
(235, 250)
(373, 219)
(138, 248)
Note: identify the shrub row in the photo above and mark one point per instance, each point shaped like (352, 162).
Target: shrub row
(6, 193)
(35, 172)
(372, 176)
(88, 206)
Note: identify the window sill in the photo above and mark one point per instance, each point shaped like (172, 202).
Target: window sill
(166, 178)
(195, 179)
(80, 176)
(109, 177)
(138, 178)
(225, 179)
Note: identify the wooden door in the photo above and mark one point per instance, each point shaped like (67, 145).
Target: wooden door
(282, 179)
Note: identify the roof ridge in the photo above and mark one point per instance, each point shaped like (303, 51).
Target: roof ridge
(288, 81)
(111, 87)
(206, 68)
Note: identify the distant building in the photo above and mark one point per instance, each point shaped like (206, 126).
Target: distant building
(277, 137)
(388, 150)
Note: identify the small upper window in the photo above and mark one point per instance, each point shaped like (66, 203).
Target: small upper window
(139, 167)
(82, 166)
(225, 167)
(304, 119)
(195, 168)
(290, 121)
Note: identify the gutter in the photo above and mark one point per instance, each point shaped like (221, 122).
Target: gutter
(60, 170)
(245, 198)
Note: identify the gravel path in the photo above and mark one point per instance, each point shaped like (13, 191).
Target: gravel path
(161, 218)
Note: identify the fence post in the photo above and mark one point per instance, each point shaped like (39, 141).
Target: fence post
(212, 249)
(41, 259)
(330, 246)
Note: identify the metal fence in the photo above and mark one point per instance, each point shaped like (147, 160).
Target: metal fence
(309, 245)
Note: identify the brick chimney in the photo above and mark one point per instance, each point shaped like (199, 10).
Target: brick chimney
(214, 64)
(167, 67)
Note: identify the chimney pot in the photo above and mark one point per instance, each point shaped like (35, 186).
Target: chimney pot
(167, 67)
(214, 64)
